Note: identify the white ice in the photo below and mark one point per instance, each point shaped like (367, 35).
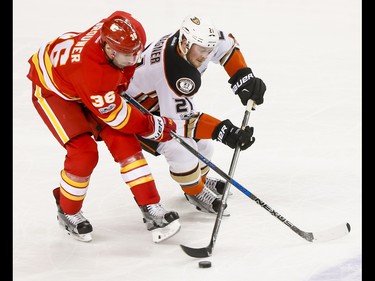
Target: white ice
(305, 163)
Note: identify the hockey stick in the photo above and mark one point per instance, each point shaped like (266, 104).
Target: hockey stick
(325, 235)
(207, 251)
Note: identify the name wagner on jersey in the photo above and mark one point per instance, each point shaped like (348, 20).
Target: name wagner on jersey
(156, 51)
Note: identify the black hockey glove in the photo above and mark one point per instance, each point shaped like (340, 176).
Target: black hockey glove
(231, 135)
(247, 86)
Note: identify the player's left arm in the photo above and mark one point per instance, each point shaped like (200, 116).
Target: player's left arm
(205, 126)
(242, 79)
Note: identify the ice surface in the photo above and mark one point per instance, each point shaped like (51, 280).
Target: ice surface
(305, 163)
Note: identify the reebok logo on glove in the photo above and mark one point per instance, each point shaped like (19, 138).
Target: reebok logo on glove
(242, 81)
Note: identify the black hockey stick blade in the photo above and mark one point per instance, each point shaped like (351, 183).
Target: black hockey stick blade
(197, 252)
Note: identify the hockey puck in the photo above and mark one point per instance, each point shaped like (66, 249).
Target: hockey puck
(205, 264)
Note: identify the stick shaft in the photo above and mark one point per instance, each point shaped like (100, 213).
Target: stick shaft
(344, 229)
(236, 154)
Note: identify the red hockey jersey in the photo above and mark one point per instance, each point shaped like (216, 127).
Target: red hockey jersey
(74, 67)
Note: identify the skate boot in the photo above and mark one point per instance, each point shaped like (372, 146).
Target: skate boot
(216, 185)
(75, 225)
(207, 201)
(163, 224)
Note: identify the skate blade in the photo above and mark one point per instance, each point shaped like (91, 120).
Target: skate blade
(229, 194)
(225, 214)
(161, 234)
(80, 237)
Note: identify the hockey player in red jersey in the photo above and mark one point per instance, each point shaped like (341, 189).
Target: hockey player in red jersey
(77, 79)
(176, 63)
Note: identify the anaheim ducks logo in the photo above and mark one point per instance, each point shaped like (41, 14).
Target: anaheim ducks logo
(195, 20)
(185, 85)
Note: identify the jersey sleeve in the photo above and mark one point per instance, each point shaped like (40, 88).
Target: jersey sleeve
(200, 126)
(107, 103)
(228, 54)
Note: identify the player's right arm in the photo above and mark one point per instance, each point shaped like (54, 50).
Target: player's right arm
(116, 112)
(94, 83)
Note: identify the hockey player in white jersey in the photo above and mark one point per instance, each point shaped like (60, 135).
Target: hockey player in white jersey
(165, 82)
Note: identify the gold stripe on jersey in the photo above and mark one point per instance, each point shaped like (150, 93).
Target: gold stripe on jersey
(119, 117)
(48, 64)
(189, 178)
(43, 65)
(136, 173)
(133, 165)
(72, 182)
(204, 170)
(201, 127)
(51, 116)
(41, 61)
(71, 197)
(71, 189)
(112, 116)
(190, 125)
(141, 180)
(35, 61)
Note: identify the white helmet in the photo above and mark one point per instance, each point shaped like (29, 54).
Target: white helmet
(200, 31)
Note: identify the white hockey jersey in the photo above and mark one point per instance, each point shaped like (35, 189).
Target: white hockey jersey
(165, 83)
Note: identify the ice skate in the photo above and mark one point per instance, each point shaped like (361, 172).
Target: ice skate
(216, 185)
(163, 224)
(75, 225)
(207, 201)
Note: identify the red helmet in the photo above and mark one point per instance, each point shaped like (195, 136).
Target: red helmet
(121, 36)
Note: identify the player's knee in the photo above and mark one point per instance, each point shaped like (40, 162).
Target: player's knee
(181, 160)
(121, 146)
(206, 148)
(89, 155)
(82, 156)
(187, 178)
